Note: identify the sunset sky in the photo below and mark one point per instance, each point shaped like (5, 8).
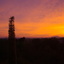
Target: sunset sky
(33, 18)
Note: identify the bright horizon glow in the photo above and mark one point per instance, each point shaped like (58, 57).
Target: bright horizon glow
(33, 18)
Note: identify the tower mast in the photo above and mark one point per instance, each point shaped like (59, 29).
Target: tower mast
(11, 28)
(12, 43)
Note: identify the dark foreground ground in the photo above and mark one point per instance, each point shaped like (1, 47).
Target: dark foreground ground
(35, 51)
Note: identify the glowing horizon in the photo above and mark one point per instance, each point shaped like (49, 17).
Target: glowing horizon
(33, 18)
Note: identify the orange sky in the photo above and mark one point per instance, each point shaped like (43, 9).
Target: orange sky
(33, 18)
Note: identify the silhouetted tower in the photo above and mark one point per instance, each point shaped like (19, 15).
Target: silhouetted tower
(11, 28)
(12, 43)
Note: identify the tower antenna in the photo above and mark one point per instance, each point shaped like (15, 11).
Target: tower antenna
(12, 42)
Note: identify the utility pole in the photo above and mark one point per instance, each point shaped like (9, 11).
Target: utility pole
(12, 42)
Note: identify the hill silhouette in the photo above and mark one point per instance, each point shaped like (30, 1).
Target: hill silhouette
(35, 51)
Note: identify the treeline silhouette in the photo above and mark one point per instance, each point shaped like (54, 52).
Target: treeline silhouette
(35, 51)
